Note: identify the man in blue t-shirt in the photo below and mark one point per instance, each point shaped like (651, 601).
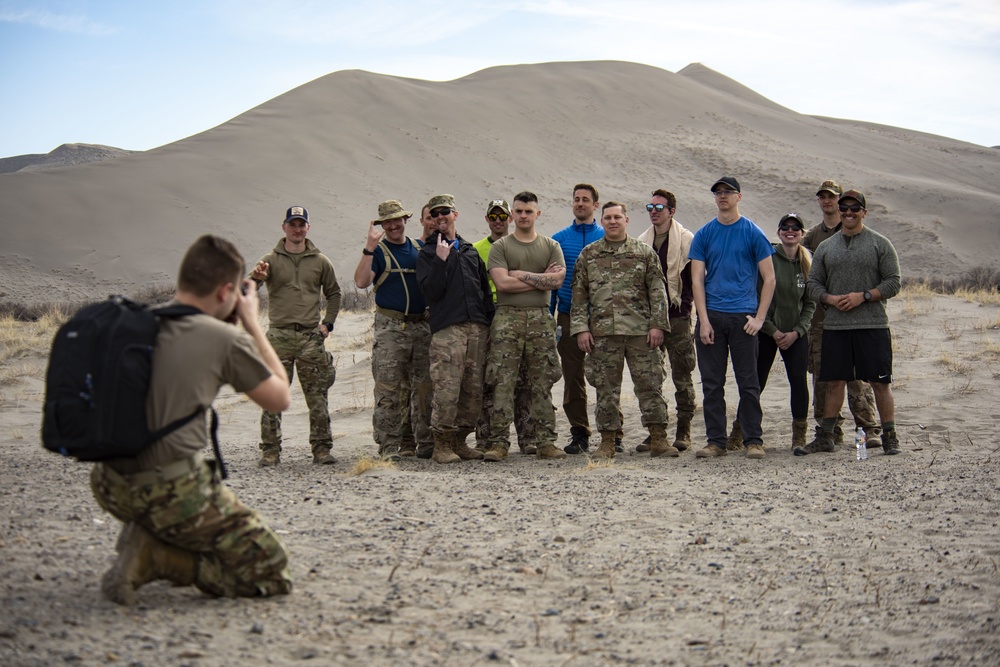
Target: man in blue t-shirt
(584, 230)
(727, 255)
(402, 338)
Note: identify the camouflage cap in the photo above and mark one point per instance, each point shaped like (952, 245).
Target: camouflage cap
(831, 187)
(854, 194)
(500, 204)
(441, 201)
(296, 212)
(391, 210)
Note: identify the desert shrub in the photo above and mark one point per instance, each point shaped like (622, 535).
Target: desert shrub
(354, 299)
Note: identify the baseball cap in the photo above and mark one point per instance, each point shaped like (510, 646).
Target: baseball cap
(500, 204)
(794, 217)
(854, 194)
(391, 210)
(441, 201)
(831, 187)
(727, 180)
(296, 212)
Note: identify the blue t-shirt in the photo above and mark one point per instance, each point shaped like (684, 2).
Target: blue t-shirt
(731, 254)
(391, 293)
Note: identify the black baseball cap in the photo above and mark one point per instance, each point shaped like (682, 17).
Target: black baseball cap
(727, 180)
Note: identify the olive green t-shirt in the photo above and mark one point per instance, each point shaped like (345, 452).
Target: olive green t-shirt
(193, 358)
(513, 255)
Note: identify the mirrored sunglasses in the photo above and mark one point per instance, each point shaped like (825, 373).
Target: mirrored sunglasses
(493, 217)
(656, 207)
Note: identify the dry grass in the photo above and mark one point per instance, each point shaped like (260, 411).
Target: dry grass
(981, 296)
(367, 462)
(989, 325)
(956, 366)
(951, 331)
(596, 464)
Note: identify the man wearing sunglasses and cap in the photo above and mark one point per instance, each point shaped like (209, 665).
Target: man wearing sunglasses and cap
(854, 273)
(860, 398)
(498, 222)
(456, 287)
(402, 336)
(671, 241)
(297, 275)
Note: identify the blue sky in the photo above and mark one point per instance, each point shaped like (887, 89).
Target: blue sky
(137, 75)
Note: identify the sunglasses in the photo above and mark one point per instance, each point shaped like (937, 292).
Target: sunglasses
(438, 212)
(785, 228)
(853, 208)
(655, 207)
(493, 217)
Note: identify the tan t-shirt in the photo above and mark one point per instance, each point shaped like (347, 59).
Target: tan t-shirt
(194, 357)
(513, 255)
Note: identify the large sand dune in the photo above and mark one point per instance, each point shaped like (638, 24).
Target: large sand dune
(344, 142)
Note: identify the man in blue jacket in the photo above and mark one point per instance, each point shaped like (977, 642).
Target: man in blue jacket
(584, 230)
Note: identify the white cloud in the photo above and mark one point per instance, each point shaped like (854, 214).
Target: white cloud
(77, 24)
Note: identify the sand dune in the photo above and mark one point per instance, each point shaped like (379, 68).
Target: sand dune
(344, 142)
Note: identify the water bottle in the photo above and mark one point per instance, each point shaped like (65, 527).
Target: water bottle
(861, 443)
(558, 332)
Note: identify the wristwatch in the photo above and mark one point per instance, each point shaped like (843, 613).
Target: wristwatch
(868, 296)
(366, 251)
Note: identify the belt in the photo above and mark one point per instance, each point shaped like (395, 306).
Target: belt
(162, 473)
(296, 327)
(397, 315)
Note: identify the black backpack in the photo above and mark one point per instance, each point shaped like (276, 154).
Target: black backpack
(98, 380)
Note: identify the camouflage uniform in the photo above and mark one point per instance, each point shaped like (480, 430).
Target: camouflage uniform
(679, 344)
(305, 350)
(237, 554)
(458, 353)
(618, 296)
(524, 426)
(401, 369)
(525, 337)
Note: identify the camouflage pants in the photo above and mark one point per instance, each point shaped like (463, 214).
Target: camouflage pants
(524, 426)
(238, 555)
(679, 343)
(522, 336)
(458, 354)
(303, 350)
(401, 369)
(604, 371)
(860, 397)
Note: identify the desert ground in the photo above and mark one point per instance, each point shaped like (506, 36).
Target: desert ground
(818, 560)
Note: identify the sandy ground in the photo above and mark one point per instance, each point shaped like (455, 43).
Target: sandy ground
(821, 560)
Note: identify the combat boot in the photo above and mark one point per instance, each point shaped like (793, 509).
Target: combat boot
(799, 429)
(734, 442)
(890, 443)
(873, 436)
(658, 445)
(682, 441)
(838, 433)
(549, 451)
(408, 450)
(269, 456)
(495, 453)
(644, 445)
(443, 452)
(425, 450)
(822, 443)
(607, 448)
(463, 450)
(144, 558)
(579, 441)
(322, 455)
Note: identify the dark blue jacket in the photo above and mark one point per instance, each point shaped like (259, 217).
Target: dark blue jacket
(456, 290)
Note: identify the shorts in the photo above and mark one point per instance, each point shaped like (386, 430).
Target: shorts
(856, 354)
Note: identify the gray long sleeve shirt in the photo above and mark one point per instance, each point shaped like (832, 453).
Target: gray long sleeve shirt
(842, 264)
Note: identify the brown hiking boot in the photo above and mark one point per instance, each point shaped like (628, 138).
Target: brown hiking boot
(658, 445)
(873, 436)
(465, 452)
(443, 452)
(323, 457)
(269, 457)
(682, 441)
(408, 450)
(644, 445)
(734, 442)
(711, 451)
(495, 454)
(607, 448)
(528, 450)
(755, 451)
(890, 443)
(822, 443)
(549, 451)
(799, 429)
(144, 558)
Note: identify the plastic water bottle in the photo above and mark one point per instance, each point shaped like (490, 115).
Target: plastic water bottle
(861, 443)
